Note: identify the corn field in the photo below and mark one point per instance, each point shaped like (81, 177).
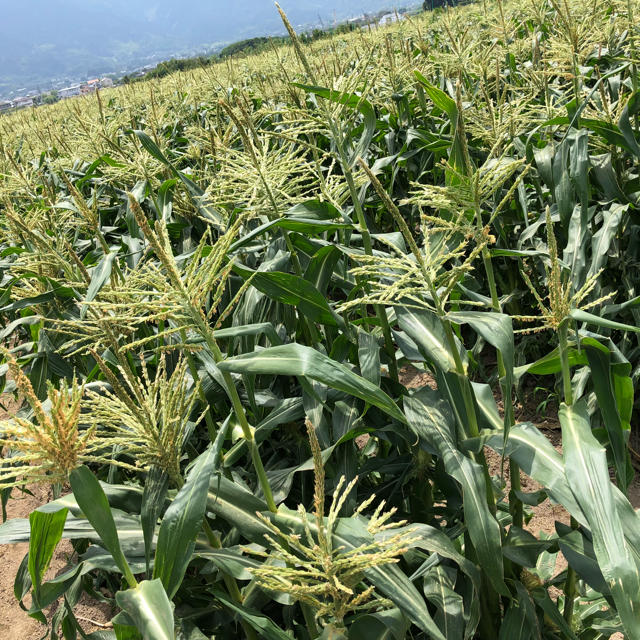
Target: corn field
(212, 287)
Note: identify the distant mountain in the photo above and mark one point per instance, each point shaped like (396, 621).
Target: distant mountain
(44, 43)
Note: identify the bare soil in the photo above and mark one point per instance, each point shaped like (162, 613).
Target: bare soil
(15, 624)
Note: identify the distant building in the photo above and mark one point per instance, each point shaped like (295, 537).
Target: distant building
(21, 103)
(90, 85)
(5, 106)
(68, 92)
(106, 82)
(390, 18)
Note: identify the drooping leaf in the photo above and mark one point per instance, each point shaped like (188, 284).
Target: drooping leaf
(150, 610)
(298, 360)
(588, 476)
(95, 506)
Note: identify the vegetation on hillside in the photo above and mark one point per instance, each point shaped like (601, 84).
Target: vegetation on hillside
(212, 283)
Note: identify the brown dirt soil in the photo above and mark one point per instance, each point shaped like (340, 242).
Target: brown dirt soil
(15, 624)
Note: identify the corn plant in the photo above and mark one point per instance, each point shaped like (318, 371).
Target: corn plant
(214, 285)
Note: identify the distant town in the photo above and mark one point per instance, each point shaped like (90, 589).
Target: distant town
(54, 95)
(34, 99)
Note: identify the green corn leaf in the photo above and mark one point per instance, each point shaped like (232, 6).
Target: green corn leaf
(95, 506)
(298, 360)
(238, 507)
(266, 627)
(631, 109)
(153, 497)
(487, 410)
(258, 329)
(26, 303)
(183, 520)
(497, 330)
(352, 101)
(550, 363)
(523, 548)
(129, 531)
(578, 551)
(231, 561)
(149, 608)
(311, 217)
(608, 131)
(443, 102)
(439, 97)
(45, 533)
(425, 329)
(602, 239)
(164, 199)
(124, 630)
(383, 625)
(590, 318)
(515, 625)
(604, 383)
(431, 419)
(369, 356)
(588, 476)
(435, 541)
(101, 273)
(536, 456)
(439, 590)
(307, 226)
(321, 266)
(293, 290)
(198, 196)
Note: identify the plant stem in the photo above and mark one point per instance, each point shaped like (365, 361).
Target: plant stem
(309, 620)
(247, 431)
(564, 362)
(211, 427)
(570, 583)
(229, 581)
(515, 504)
(368, 248)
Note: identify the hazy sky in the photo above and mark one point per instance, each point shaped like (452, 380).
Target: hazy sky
(44, 39)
